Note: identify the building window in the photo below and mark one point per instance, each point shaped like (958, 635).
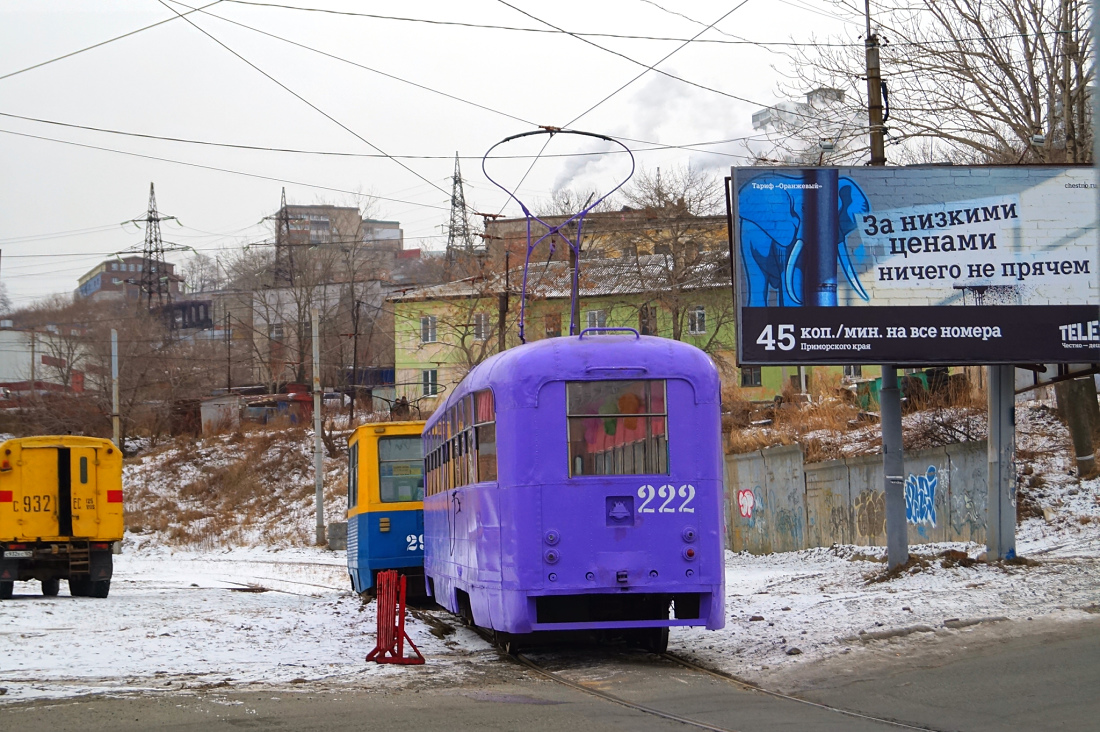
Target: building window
(553, 325)
(697, 320)
(853, 372)
(662, 249)
(430, 379)
(116, 281)
(750, 376)
(597, 318)
(427, 329)
(481, 327)
(647, 320)
(114, 266)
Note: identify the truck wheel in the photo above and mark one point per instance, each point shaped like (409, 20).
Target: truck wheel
(50, 587)
(6, 589)
(100, 588)
(79, 587)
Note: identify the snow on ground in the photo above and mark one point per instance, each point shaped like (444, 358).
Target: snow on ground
(181, 614)
(196, 619)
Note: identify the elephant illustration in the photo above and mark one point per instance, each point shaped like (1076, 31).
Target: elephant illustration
(778, 219)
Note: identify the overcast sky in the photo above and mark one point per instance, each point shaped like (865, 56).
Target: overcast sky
(379, 91)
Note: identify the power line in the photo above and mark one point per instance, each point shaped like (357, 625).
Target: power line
(302, 99)
(488, 26)
(658, 71)
(260, 148)
(653, 66)
(104, 43)
(222, 170)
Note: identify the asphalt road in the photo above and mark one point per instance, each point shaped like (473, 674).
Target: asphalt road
(1008, 676)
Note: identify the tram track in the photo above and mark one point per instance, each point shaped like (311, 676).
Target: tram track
(749, 686)
(527, 662)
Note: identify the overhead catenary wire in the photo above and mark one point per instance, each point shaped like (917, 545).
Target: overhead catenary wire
(587, 34)
(359, 194)
(652, 67)
(303, 99)
(654, 146)
(104, 43)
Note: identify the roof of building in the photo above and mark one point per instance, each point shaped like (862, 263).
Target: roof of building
(598, 277)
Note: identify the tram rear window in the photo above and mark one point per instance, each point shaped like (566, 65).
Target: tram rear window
(617, 427)
(400, 469)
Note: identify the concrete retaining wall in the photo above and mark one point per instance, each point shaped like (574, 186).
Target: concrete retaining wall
(777, 504)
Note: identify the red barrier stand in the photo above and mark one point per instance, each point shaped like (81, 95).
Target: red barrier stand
(391, 622)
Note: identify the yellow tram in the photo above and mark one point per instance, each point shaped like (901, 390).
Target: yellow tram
(385, 503)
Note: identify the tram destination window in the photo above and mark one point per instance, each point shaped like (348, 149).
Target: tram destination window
(617, 427)
(400, 469)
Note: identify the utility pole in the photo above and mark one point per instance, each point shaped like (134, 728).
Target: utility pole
(1069, 53)
(115, 427)
(228, 356)
(874, 95)
(893, 456)
(354, 356)
(502, 311)
(318, 449)
(33, 391)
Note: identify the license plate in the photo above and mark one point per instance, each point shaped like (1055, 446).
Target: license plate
(19, 554)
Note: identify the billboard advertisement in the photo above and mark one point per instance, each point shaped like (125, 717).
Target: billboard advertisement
(917, 265)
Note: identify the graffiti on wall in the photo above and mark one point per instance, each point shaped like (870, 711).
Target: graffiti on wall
(746, 501)
(920, 497)
(871, 513)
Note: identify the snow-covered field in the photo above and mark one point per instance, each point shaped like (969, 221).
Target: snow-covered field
(194, 619)
(188, 616)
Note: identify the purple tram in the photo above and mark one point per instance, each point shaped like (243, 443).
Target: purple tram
(576, 484)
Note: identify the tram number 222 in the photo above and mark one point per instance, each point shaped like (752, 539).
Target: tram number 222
(415, 541)
(669, 494)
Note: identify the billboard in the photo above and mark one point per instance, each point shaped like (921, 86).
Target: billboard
(916, 265)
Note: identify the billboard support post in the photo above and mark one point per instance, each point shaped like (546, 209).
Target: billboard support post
(1000, 525)
(893, 469)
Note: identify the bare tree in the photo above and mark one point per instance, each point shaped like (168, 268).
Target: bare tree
(200, 274)
(968, 81)
(679, 254)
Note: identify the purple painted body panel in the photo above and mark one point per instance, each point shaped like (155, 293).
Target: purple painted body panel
(538, 533)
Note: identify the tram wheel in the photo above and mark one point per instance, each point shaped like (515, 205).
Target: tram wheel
(50, 587)
(506, 642)
(654, 640)
(6, 589)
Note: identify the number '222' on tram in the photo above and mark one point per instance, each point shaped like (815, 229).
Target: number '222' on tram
(576, 484)
(385, 503)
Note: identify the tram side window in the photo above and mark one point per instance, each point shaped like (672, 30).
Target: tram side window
(485, 435)
(400, 469)
(353, 476)
(617, 427)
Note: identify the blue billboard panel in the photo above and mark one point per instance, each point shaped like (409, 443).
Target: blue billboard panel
(926, 265)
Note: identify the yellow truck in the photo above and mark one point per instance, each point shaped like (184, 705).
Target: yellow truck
(60, 513)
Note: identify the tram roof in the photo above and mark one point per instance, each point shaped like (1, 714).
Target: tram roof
(517, 375)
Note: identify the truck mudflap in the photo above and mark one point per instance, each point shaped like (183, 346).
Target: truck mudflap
(101, 566)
